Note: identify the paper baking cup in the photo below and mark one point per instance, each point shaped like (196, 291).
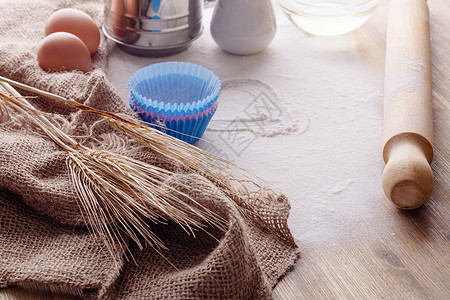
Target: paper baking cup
(188, 128)
(179, 98)
(138, 104)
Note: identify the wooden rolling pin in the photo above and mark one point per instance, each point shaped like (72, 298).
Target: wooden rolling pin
(408, 110)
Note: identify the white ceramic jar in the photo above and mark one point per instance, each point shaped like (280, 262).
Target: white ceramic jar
(243, 27)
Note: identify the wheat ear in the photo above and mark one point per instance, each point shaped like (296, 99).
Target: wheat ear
(118, 194)
(240, 185)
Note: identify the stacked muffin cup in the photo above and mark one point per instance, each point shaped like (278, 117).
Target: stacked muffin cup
(177, 98)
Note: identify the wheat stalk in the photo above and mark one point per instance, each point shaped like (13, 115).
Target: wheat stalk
(117, 193)
(235, 182)
(240, 185)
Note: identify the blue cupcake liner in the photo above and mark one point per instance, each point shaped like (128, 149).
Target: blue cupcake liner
(178, 98)
(188, 110)
(144, 111)
(188, 128)
(175, 88)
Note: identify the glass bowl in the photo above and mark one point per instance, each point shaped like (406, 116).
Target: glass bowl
(328, 17)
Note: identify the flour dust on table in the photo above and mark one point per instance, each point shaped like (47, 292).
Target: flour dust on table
(263, 113)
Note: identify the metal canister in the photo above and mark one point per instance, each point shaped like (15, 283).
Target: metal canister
(153, 27)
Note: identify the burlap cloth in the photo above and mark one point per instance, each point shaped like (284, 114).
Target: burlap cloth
(43, 239)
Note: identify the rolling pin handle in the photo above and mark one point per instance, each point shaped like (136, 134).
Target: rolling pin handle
(407, 178)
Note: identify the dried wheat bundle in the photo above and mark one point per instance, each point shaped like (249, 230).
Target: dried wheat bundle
(238, 184)
(117, 193)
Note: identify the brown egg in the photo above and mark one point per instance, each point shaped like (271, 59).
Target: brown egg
(76, 22)
(62, 51)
